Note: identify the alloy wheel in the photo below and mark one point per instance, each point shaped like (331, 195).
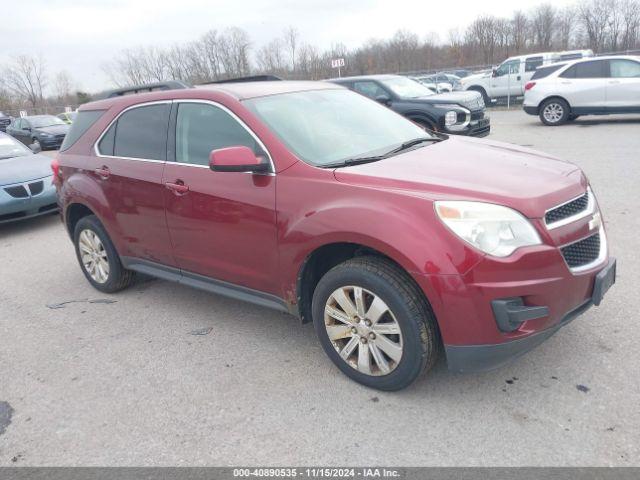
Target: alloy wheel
(93, 255)
(553, 112)
(363, 330)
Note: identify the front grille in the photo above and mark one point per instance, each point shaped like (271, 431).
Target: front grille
(60, 137)
(36, 187)
(574, 207)
(582, 252)
(17, 192)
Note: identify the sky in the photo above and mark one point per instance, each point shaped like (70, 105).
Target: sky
(81, 37)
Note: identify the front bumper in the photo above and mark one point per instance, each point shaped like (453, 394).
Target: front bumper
(476, 127)
(479, 358)
(533, 290)
(14, 209)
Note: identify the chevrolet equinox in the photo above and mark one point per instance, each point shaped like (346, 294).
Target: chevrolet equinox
(314, 200)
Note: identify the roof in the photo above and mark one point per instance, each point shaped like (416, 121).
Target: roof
(573, 61)
(246, 90)
(365, 77)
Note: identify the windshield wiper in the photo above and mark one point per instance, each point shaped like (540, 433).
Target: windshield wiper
(413, 143)
(354, 161)
(360, 160)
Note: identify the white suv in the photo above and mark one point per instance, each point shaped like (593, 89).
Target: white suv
(598, 86)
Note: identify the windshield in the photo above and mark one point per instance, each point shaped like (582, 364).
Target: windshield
(10, 148)
(326, 126)
(406, 88)
(45, 121)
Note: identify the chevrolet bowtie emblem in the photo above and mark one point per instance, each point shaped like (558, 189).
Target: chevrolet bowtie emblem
(596, 222)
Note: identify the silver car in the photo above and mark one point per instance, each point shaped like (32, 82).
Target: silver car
(26, 188)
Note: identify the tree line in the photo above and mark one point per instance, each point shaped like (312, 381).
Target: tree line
(599, 25)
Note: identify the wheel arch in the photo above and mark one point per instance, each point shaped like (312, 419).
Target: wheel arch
(322, 259)
(73, 213)
(552, 97)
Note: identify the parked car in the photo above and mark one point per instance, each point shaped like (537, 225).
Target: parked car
(510, 77)
(458, 113)
(435, 83)
(314, 200)
(5, 120)
(67, 117)
(600, 86)
(460, 73)
(26, 188)
(44, 131)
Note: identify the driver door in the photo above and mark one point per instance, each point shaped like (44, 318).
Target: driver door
(505, 79)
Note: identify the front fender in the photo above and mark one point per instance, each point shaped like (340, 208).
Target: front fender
(401, 225)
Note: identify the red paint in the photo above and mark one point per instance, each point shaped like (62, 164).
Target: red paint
(257, 230)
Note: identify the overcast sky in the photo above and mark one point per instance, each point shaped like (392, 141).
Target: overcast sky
(81, 36)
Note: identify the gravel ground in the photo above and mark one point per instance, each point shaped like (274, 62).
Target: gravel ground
(165, 375)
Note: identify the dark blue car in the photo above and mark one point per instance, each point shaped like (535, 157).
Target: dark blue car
(44, 131)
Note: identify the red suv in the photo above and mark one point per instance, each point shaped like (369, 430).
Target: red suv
(314, 200)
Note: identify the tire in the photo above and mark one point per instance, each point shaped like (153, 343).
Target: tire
(405, 355)
(35, 141)
(554, 112)
(84, 238)
(483, 92)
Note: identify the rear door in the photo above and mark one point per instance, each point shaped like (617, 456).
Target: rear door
(128, 167)
(222, 224)
(584, 85)
(623, 86)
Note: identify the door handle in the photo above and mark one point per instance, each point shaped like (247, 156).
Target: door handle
(518, 78)
(103, 172)
(178, 188)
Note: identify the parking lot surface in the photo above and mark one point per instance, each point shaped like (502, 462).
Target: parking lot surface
(162, 374)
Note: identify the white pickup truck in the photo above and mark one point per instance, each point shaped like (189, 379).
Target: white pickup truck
(509, 78)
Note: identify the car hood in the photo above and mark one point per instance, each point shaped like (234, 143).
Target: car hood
(472, 78)
(24, 169)
(469, 99)
(471, 169)
(54, 129)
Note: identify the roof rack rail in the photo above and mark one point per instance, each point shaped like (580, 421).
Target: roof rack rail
(149, 87)
(252, 78)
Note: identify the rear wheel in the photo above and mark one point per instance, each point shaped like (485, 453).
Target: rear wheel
(554, 111)
(98, 258)
(374, 323)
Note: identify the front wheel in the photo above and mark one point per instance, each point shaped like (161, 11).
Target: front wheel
(374, 323)
(554, 112)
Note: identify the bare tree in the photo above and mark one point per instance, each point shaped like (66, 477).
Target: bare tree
(25, 78)
(482, 32)
(565, 27)
(291, 37)
(543, 24)
(594, 16)
(519, 31)
(631, 33)
(63, 86)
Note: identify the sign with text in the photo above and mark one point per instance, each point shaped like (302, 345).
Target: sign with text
(23, 113)
(337, 62)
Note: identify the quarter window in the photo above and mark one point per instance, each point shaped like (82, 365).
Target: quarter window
(624, 69)
(142, 133)
(201, 128)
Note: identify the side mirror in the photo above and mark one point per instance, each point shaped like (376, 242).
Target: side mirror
(383, 99)
(237, 159)
(494, 72)
(35, 147)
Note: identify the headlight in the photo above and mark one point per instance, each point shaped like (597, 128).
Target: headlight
(450, 118)
(45, 135)
(493, 229)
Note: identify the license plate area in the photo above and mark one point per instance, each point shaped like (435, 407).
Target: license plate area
(604, 281)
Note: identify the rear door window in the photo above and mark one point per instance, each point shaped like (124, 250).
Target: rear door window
(142, 132)
(84, 121)
(531, 63)
(594, 69)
